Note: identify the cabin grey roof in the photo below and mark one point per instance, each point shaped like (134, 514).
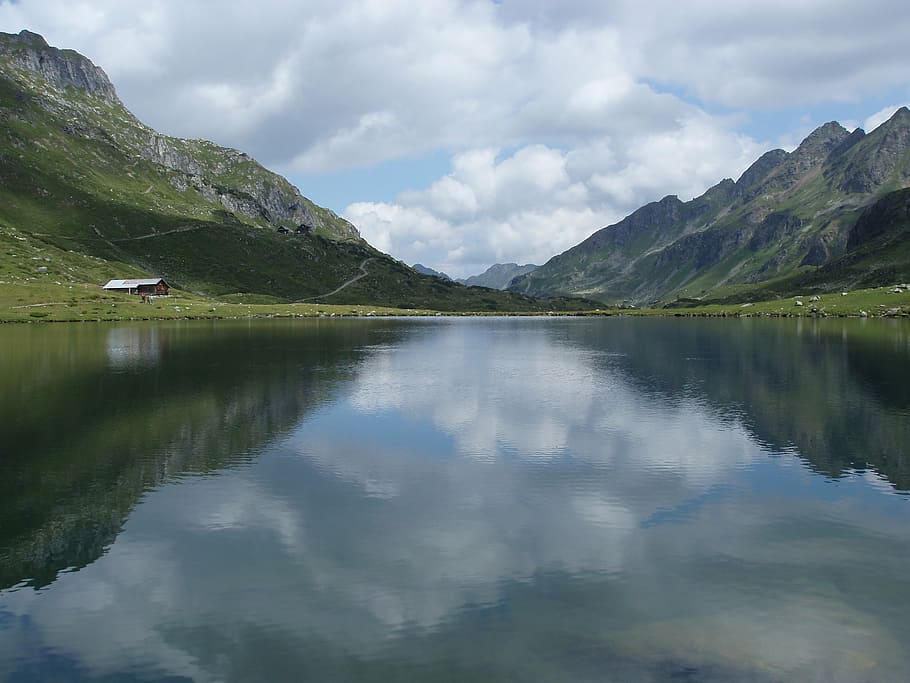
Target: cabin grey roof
(128, 284)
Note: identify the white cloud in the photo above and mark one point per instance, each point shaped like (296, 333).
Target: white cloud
(538, 201)
(389, 223)
(334, 85)
(771, 54)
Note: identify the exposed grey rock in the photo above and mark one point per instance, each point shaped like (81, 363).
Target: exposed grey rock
(774, 228)
(881, 162)
(61, 68)
(816, 255)
(750, 181)
(880, 219)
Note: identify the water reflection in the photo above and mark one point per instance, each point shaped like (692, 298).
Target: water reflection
(133, 346)
(96, 415)
(493, 500)
(832, 391)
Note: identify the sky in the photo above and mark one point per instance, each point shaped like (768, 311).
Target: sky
(462, 133)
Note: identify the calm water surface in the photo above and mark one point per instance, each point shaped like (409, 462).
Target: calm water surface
(456, 500)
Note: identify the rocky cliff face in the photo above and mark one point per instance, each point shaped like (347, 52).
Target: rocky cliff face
(879, 160)
(888, 218)
(59, 68)
(787, 211)
(749, 183)
(234, 180)
(69, 85)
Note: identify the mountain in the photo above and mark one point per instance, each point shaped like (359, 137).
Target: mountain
(788, 216)
(424, 270)
(96, 194)
(499, 275)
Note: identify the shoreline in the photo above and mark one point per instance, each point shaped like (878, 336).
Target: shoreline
(405, 313)
(23, 304)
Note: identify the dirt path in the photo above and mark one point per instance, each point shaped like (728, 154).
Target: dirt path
(363, 274)
(183, 228)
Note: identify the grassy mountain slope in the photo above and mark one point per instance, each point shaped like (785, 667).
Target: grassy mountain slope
(787, 215)
(85, 184)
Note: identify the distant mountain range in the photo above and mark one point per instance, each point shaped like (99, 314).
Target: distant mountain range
(425, 270)
(99, 195)
(499, 275)
(830, 214)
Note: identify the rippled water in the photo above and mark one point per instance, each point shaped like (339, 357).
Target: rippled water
(456, 500)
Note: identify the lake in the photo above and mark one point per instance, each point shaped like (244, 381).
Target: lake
(479, 499)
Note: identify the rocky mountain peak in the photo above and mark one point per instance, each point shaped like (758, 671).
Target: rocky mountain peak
(896, 130)
(28, 51)
(820, 142)
(753, 176)
(32, 38)
(901, 116)
(876, 159)
(777, 171)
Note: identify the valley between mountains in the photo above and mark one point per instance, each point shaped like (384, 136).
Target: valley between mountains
(89, 193)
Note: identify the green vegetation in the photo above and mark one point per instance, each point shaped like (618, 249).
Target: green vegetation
(70, 290)
(889, 301)
(43, 282)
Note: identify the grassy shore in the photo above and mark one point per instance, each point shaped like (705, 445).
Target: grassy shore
(44, 300)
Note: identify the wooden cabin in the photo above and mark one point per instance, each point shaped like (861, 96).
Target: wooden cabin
(152, 286)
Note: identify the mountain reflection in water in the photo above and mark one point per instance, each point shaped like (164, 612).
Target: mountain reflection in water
(483, 499)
